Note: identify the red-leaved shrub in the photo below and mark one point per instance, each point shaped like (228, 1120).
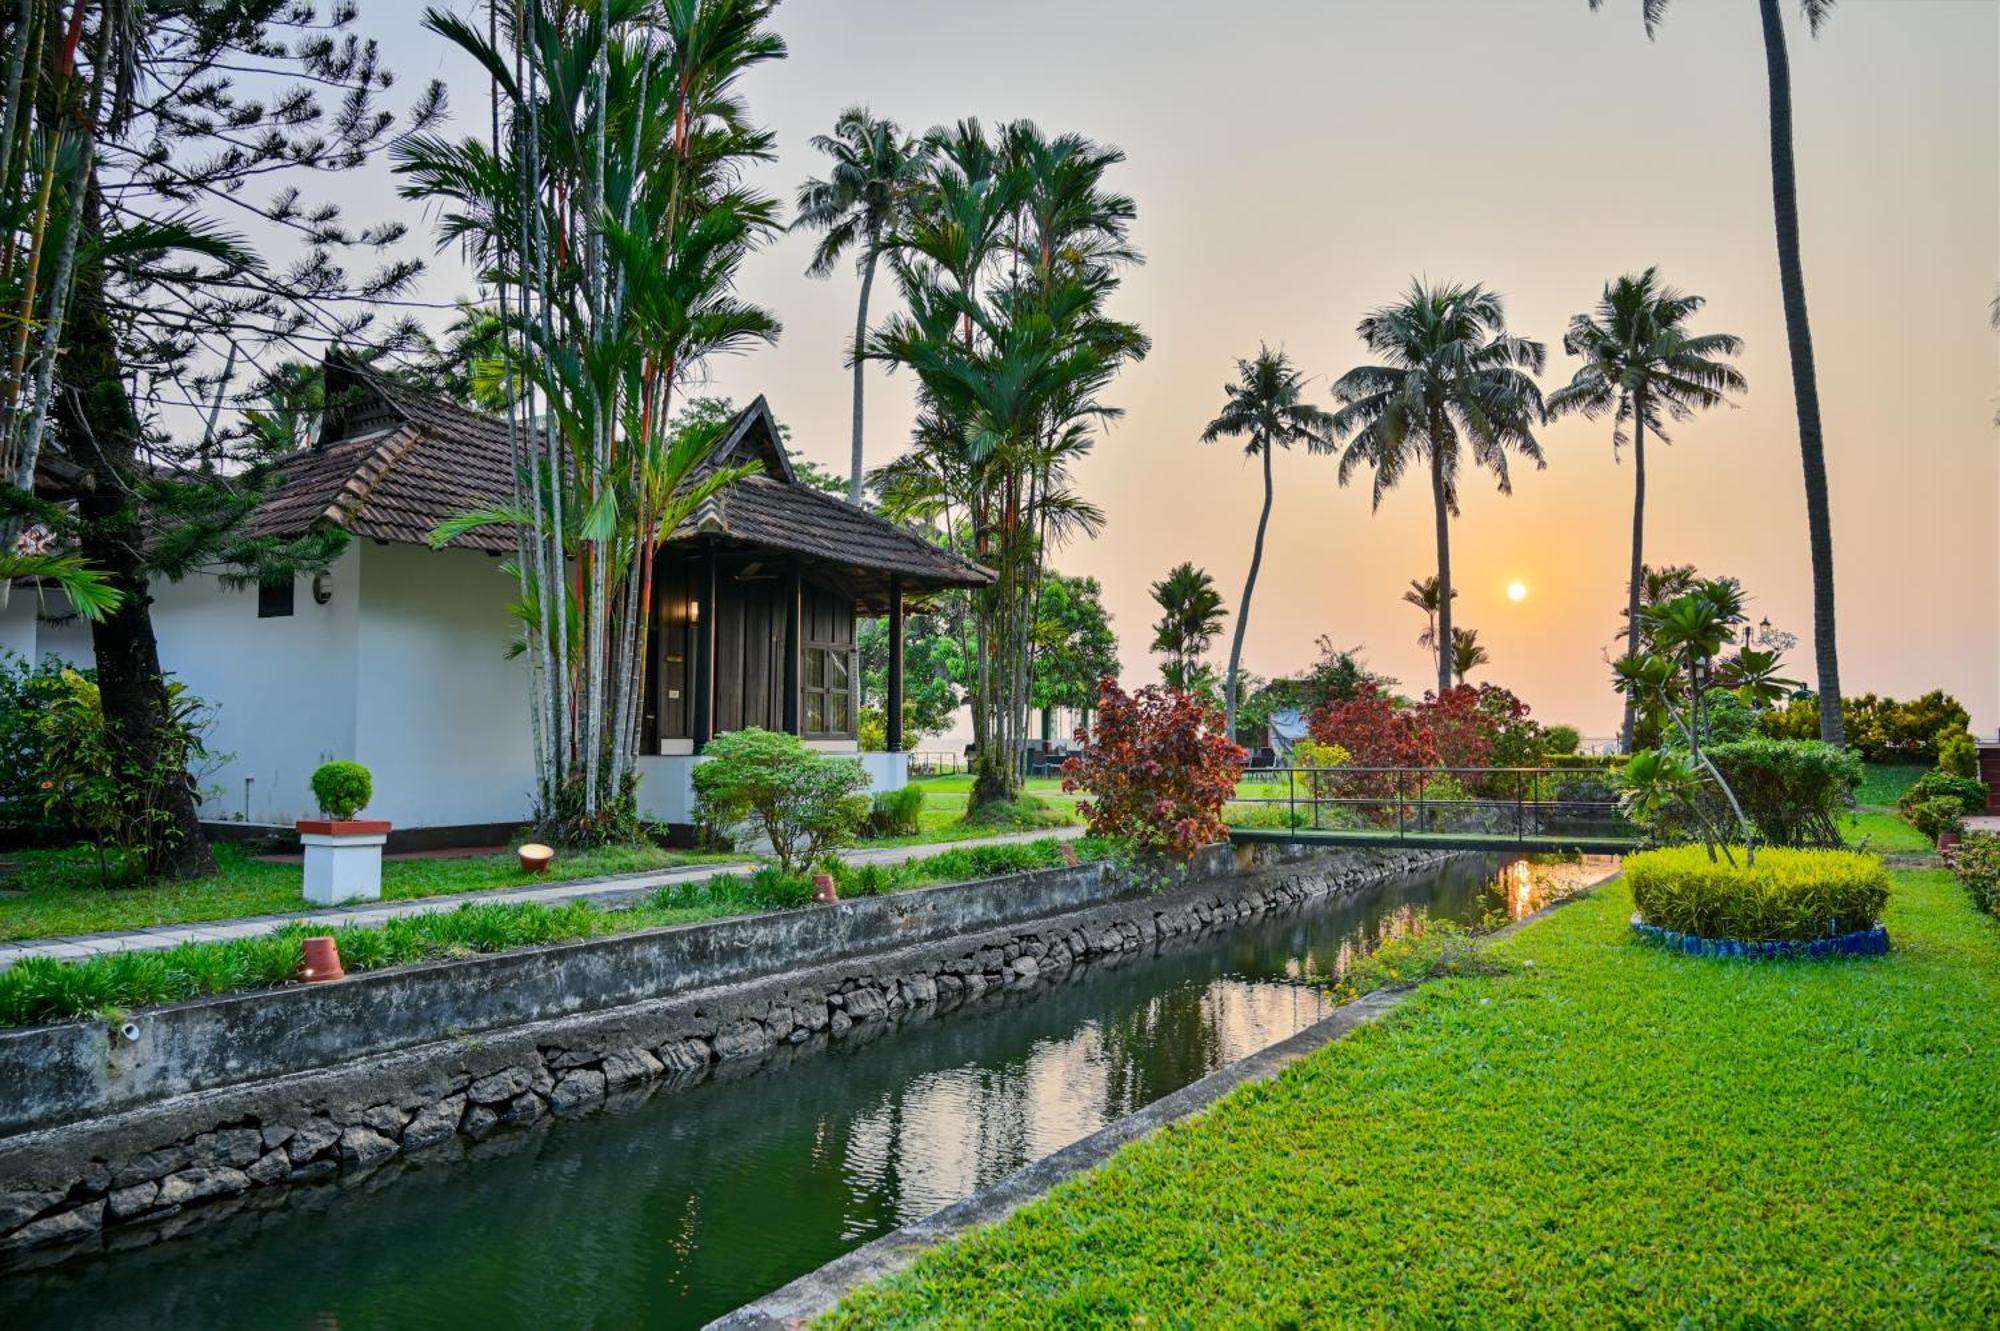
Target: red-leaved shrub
(1158, 769)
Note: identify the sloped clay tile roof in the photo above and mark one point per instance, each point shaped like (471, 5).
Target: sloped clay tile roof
(414, 461)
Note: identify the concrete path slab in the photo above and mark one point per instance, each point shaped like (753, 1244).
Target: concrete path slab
(613, 891)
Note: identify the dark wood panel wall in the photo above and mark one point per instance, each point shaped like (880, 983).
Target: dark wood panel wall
(753, 677)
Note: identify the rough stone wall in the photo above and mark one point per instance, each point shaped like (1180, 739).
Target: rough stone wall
(136, 1176)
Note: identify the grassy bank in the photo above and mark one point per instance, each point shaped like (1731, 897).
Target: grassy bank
(1614, 1135)
(59, 893)
(37, 989)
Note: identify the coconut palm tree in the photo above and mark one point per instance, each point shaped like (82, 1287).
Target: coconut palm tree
(1266, 408)
(1452, 378)
(1423, 594)
(1190, 617)
(863, 199)
(1467, 653)
(1641, 365)
(1798, 334)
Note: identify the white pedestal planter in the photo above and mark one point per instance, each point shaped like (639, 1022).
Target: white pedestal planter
(343, 860)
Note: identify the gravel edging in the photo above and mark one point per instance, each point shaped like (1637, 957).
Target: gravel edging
(798, 1302)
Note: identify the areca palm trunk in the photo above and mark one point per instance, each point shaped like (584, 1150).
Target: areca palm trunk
(1243, 610)
(1440, 501)
(860, 339)
(1638, 560)
(1805, 384)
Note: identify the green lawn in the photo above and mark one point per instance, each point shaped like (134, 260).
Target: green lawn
(59, 894)
(1882, 784)
(1615, 1136)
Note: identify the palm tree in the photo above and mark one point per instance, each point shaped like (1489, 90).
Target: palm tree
(1267, 408)
(863, 199)
(1641, 364)
(1467, 654)
(1423, 594)
(1190, 617)
(1452, 375)
(1798, 333)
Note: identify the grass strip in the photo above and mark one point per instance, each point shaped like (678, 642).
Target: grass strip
(37, 990)
(59, 894)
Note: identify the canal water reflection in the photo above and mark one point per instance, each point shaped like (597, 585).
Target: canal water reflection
(674, 1205)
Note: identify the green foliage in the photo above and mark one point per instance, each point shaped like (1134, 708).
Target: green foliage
(1560, 741)
(575, 824)
(1191, 614)
(343, 789)
(805, 804)
(1968, 793)
(1599, 762)
(1958, 754)
(1793, 791)
(1978, 868)
(97, 786)
(898, 812)
(1935, 817)
(1790, 895)
(1074, 644)
(27, 692)
(1883, 729)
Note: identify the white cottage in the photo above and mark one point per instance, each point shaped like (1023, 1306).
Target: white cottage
(396, 657)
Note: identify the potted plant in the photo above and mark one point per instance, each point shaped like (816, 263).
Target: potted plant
(343, 853)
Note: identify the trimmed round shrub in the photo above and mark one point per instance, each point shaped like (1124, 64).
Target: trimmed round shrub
(1969, 793)
(1789, 896)
(343, 789)
(1935, 817)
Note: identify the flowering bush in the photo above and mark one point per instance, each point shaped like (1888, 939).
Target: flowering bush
(1158, 769)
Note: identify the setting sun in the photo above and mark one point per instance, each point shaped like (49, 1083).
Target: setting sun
(1517, 591)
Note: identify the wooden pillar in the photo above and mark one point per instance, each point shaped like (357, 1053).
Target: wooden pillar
(894, 719)
(704, 653)
(794, 645)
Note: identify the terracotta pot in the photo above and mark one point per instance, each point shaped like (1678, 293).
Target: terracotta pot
(535, 857)
(824, 888)
(322, 961)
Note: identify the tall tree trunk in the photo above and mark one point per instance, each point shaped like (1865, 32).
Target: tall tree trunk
(1439, 501)
(1638, 564)
(1243, 609)
(101, 435)
(860, 337)
(1805, 383)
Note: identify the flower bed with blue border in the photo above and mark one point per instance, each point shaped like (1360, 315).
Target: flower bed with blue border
(1872, 942)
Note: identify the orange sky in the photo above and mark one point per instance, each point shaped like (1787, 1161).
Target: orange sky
(1295, 163)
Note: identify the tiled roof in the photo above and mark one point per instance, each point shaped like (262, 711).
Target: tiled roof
(758, 510)
(412, 461)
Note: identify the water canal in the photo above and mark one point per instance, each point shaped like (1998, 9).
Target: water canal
(677, 1203)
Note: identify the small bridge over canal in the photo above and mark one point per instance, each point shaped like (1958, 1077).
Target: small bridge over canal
(1538, 809)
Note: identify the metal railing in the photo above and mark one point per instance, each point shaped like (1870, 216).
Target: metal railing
(1520, 804)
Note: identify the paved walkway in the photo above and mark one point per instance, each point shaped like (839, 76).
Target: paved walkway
(620, 890)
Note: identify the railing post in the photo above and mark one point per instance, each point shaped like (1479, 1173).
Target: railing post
(1402, 827)
(1292, 803)
(1518, 797)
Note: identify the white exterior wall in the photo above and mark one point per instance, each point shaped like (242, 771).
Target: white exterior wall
(442, 710)
(282, 688)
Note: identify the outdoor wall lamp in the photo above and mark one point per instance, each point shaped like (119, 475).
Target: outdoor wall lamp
(322, 591)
